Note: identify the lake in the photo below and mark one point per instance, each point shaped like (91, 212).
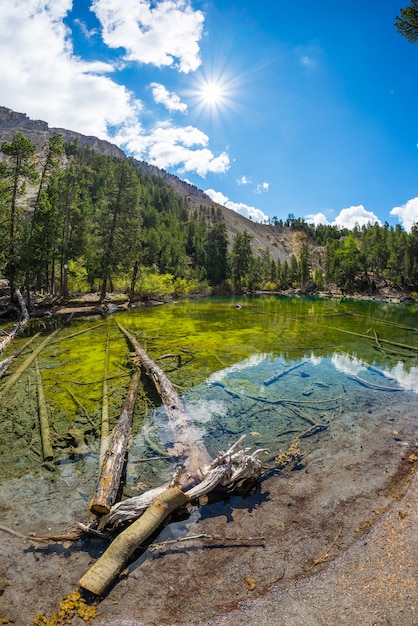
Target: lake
(339, 375)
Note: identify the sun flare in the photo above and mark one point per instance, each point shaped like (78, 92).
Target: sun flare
(212, 93)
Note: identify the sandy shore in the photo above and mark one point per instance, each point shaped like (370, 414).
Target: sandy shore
(374, 583)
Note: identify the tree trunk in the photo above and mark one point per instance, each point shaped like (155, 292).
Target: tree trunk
(102, 573)
(16, 375)
(135, 272)
(5, 364)
(189, 445)
(47, 451)
(111, 472)
(21, 324)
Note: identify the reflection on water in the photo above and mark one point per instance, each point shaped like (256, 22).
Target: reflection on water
(407, 380)
(273, 400)
(274, 369)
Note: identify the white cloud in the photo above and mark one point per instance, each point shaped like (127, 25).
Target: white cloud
(47, 81)
(158, 33)
(407, 378)
(244, 180)
(169, 99)
(347, 364)
(317, 218)
(50, 83)
(168, 146)
(88, 34)
(250, 212)
(239, 207)
(347, 218)
(262, 187)
(407, 213)
(217, 196)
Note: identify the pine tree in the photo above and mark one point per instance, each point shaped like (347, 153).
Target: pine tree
(20, 155)
(242, 261)
(217, 254)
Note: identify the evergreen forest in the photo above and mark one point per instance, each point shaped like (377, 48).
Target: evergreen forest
(73, 220)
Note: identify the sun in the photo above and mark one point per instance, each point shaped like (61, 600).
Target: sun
(212, 93)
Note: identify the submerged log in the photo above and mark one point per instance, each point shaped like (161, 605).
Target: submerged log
(284, 372)
(189, 446)
(20, 325)
(26, 363)
(114, 460)
(104, 434)
(5, 364)
(47, 451)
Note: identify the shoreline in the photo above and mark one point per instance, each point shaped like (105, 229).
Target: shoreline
(90, 303)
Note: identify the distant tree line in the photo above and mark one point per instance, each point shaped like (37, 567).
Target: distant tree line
(74, 220)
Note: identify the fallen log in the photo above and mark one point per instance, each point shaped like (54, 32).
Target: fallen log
(188, 446)
(114, 459)
(284, 372)
(5, 364)
(26, 363)
(228, 469)
(104, 433)
(20, 325)
(102, 573)
(47, 451)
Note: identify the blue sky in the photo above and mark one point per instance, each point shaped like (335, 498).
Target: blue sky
(271, 107)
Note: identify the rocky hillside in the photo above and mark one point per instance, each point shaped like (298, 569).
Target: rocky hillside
(39, 132)
(281, 242)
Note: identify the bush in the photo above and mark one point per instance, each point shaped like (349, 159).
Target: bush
(77, 277)
(153, 285)
(189, 287)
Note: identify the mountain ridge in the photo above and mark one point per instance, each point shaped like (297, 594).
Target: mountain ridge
(281, 242)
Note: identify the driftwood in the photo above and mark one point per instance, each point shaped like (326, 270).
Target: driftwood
(146, 513)
(111, 472)
(5, 364)
(202, 476)
(102, 573)
(189, 446)
(228, 469)
(47, 451)
(20, 325)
